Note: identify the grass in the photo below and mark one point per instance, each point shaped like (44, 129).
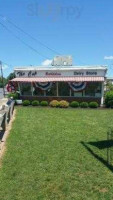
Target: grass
(54, 154)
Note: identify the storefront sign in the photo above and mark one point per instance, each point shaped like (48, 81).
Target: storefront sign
(29, 74)
(20, 73)
(85, 73)
(89, 73)
(53, 74)
(65, 72)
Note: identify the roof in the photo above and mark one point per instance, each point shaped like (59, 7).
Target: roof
(43, 68)
(109, 78)
(60, 79)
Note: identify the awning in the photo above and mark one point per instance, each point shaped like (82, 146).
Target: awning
(59, 79)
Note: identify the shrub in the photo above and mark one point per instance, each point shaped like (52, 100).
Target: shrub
(109, 99)
(54, 103)
(84, 105)
(93, 105)
(110, 104)
(15, 95)
(63, 104)
(35, 103)
(44, 103)
(74, 104)
(26, 103)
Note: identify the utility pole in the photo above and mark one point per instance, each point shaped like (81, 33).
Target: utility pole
(2, 78)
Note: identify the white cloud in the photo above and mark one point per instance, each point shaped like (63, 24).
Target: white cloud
(46, 62)
(108, 58)
(5, 67)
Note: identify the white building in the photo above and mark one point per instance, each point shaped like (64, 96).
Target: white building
(80, 83)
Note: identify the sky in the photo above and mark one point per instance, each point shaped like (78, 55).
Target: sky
(81, 28)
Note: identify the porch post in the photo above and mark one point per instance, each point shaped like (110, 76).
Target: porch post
(70, 92)
(57, 88)
(32, 89)
(102, 94)
(44, 93)
(19, 89)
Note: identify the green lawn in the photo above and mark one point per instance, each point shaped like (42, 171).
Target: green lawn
(49, 157)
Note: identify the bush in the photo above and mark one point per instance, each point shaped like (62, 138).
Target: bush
(109, 99)
(84, 105)
(54, 103)
(93, 105)
(15, 95)
(26, 103)
(74, 104)
(44, 103)
(63, 104)
(35, 103)
(110, 104)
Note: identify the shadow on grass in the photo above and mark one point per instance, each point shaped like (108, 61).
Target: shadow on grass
(103, 161)
(102, 144)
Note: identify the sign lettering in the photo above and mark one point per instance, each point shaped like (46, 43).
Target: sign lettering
(87, 73)
(53, 74)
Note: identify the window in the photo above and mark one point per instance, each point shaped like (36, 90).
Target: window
(64, 89)
(52, 91)
(93, 90)
(38, 92)
(25, 89)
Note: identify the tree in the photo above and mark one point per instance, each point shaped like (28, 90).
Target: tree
(11, 76)
(1, 82)
(5, 80)
(109, 86)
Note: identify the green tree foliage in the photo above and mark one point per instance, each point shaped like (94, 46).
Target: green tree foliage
(5, 80)
(11, 76)
(109, 86)
(1, 82)
(109, 99)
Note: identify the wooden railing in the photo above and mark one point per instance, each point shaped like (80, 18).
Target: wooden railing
(6, 114)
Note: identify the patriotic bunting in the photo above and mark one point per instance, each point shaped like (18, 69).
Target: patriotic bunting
(77, 86)
(43, 86)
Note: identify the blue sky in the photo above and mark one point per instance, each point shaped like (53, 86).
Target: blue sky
(81, 28)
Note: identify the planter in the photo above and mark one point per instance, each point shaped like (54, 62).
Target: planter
(19, 102)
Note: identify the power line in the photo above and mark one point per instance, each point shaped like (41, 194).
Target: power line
(4, 18)
(29, 35)
(7, 64)
(22, 41)
(54, 51)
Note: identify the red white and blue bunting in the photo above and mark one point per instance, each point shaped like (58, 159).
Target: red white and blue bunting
(43, 86)
(77, 86)
(10, 87)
